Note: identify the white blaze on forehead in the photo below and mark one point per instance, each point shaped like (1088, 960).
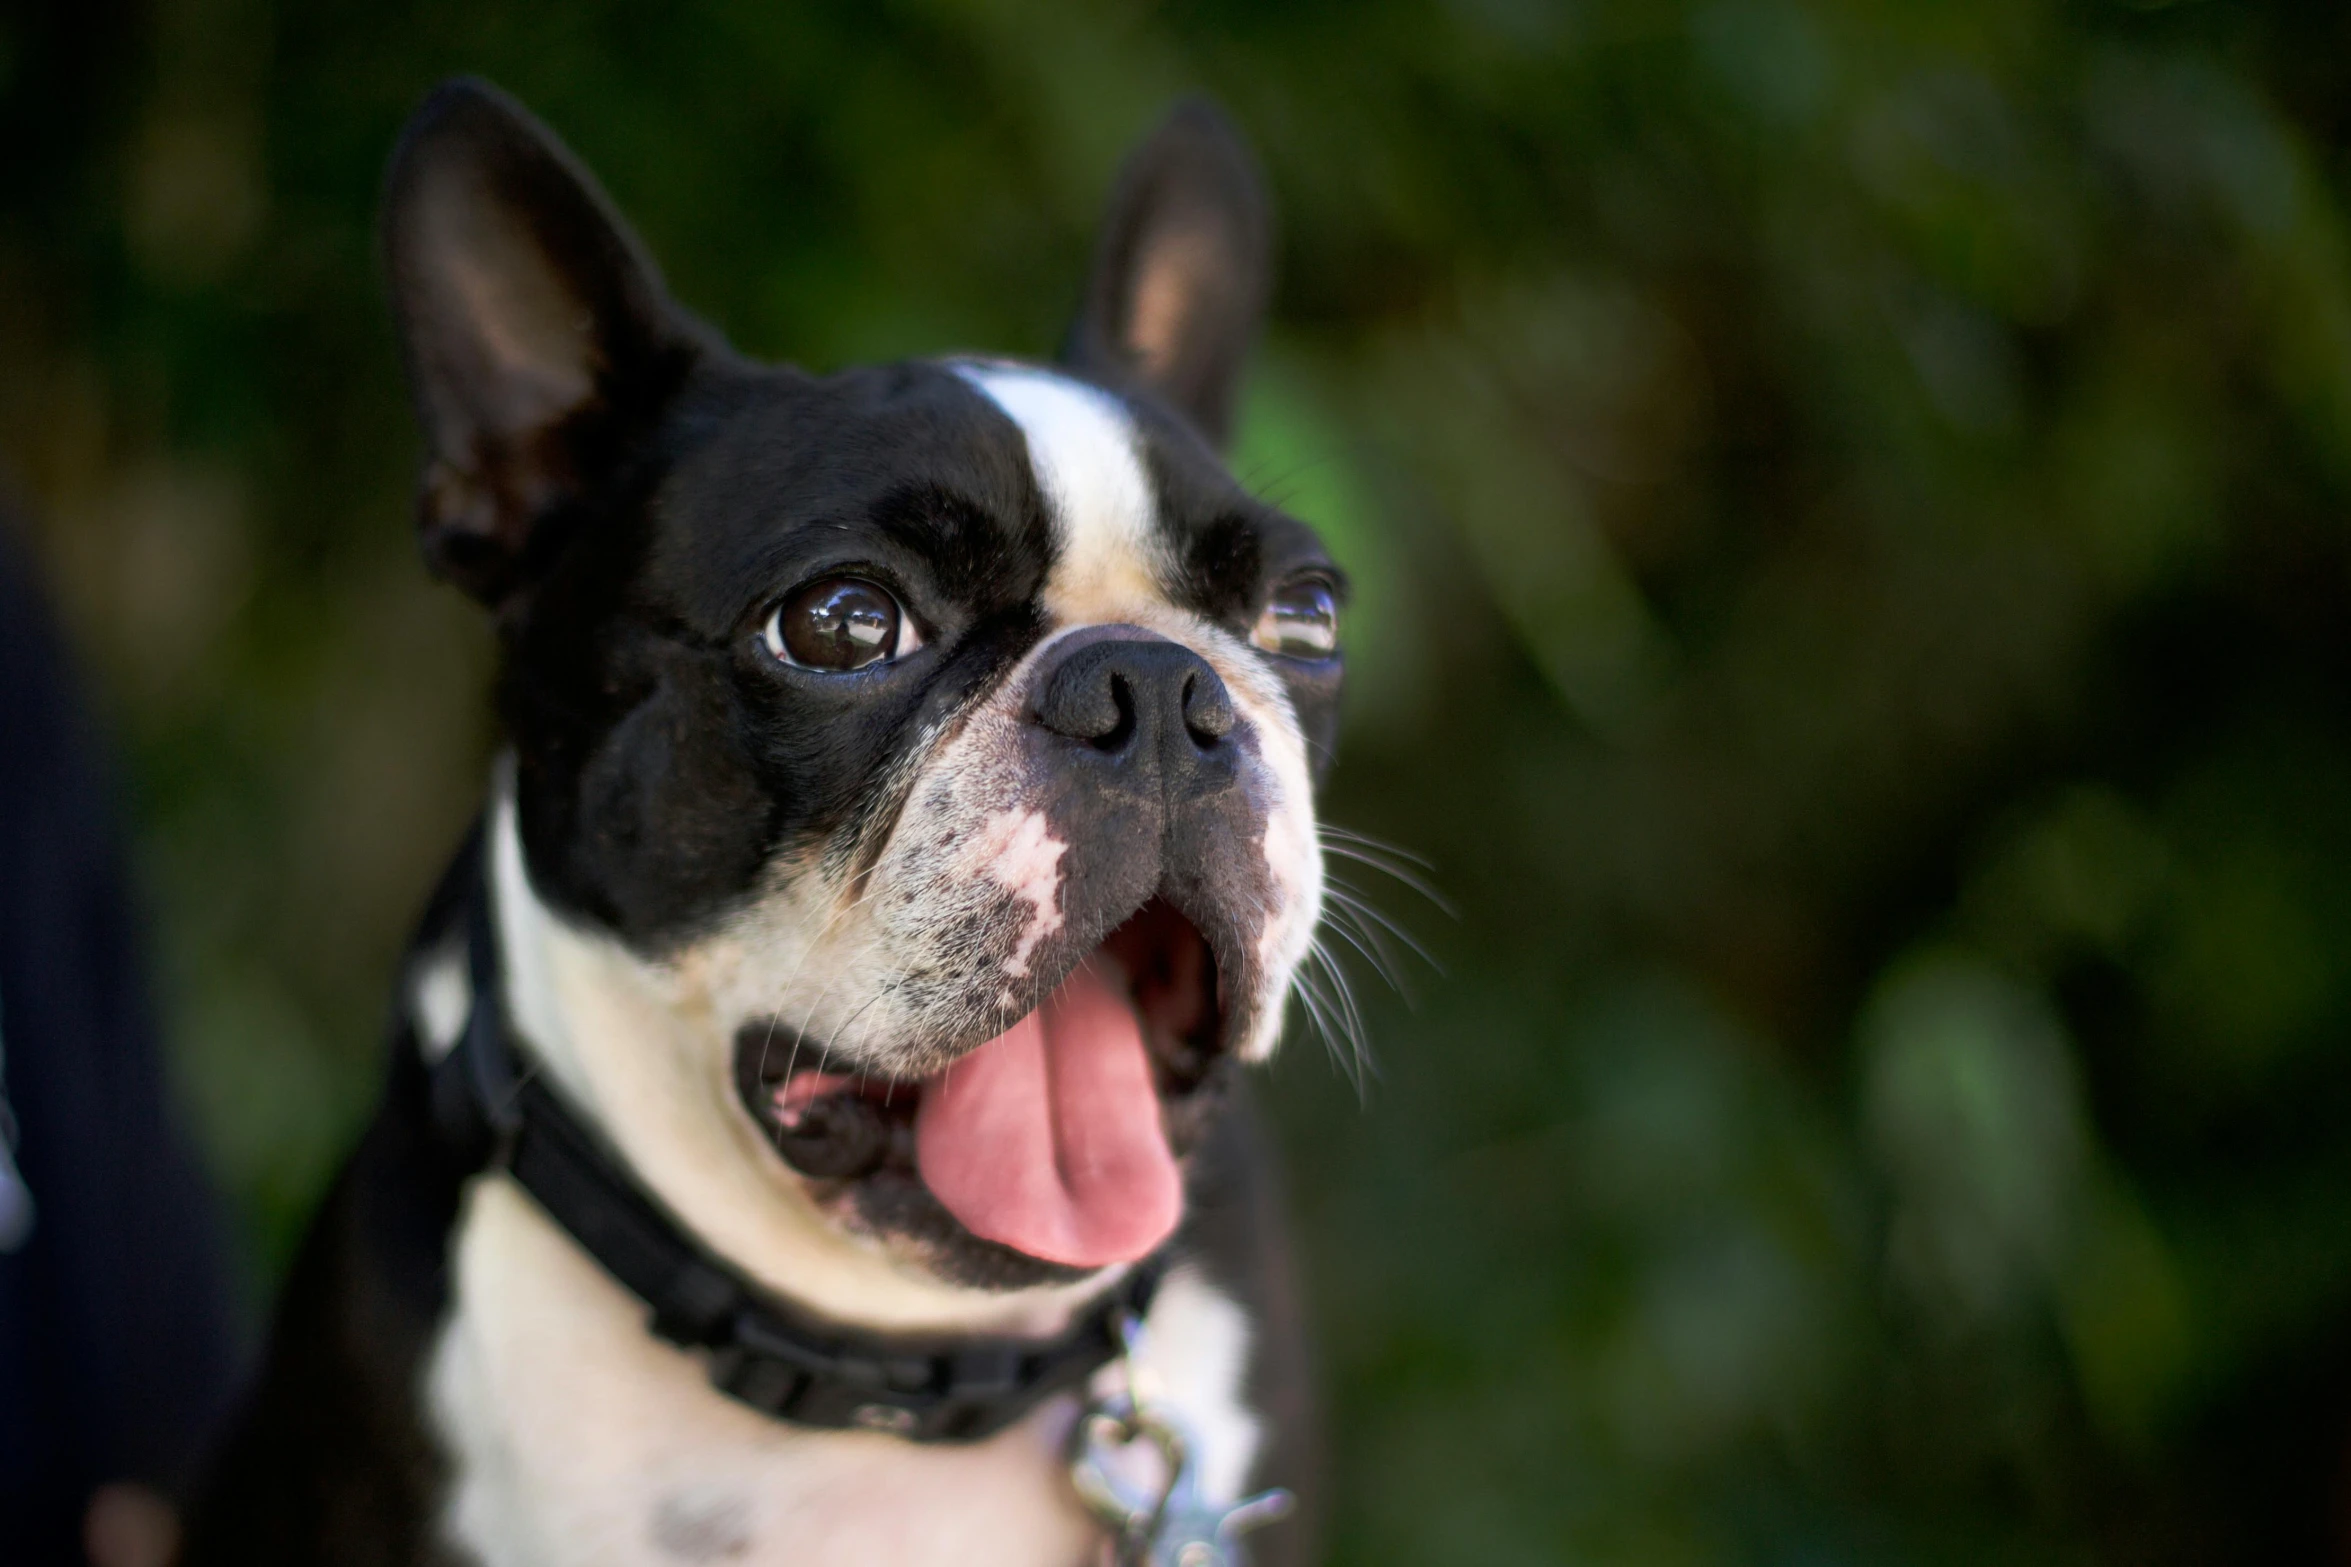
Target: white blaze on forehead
(1088, 460)
(1017, 851)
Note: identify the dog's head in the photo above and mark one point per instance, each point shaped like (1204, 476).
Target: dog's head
(944, 732)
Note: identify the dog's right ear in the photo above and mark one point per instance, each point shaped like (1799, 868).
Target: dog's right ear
(538, 339)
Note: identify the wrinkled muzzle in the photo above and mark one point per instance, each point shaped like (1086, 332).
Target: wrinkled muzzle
(1099, 845)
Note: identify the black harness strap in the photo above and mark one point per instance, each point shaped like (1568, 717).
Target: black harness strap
(762, 1352)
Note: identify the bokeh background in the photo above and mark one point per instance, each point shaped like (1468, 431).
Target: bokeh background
(1849, 503)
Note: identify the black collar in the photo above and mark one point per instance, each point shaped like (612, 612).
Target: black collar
(762, 1352)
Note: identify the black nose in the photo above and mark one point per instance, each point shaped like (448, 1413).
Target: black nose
(1139, 701)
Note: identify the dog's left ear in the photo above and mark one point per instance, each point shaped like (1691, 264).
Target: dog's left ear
(1181, 270)
(539, 342)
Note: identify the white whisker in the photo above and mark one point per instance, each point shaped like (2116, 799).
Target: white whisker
(1354, 903)
(1381, 860)
(1347, 1019)
(1337, 921)
(1318, 1012)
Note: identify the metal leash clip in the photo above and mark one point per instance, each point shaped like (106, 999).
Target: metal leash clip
(1131, 1462)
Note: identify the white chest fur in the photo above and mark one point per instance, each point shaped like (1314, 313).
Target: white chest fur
(575, 1437)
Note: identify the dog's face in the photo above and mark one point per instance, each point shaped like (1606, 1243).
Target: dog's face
(948, 729)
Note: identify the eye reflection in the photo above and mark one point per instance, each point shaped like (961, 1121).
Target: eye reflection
(1301, 620)
(839, 624)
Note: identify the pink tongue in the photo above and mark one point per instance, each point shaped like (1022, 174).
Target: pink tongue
(1047, 1137)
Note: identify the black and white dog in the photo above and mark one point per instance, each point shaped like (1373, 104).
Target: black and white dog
(827, 1050)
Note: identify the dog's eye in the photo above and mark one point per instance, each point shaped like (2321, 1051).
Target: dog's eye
(1301, 620)
(839, 624)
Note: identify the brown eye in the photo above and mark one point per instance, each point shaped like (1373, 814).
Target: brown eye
(1301, 620)
(839, 624)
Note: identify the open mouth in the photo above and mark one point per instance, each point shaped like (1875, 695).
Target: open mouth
(1059, 1137)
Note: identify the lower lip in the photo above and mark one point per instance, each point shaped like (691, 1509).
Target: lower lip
(837, 1125)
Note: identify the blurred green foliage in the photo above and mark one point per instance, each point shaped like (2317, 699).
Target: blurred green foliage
(1849, 502)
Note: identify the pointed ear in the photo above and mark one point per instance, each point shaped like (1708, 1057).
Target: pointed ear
(537, 337)
(1182, 269)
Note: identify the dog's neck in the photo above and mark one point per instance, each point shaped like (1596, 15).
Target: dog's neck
(641, 1053)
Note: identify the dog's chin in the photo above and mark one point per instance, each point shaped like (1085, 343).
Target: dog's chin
(867, 1152)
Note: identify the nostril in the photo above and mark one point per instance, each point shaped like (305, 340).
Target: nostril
(1208, 708)
(1088, 700)
(1122, 729)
